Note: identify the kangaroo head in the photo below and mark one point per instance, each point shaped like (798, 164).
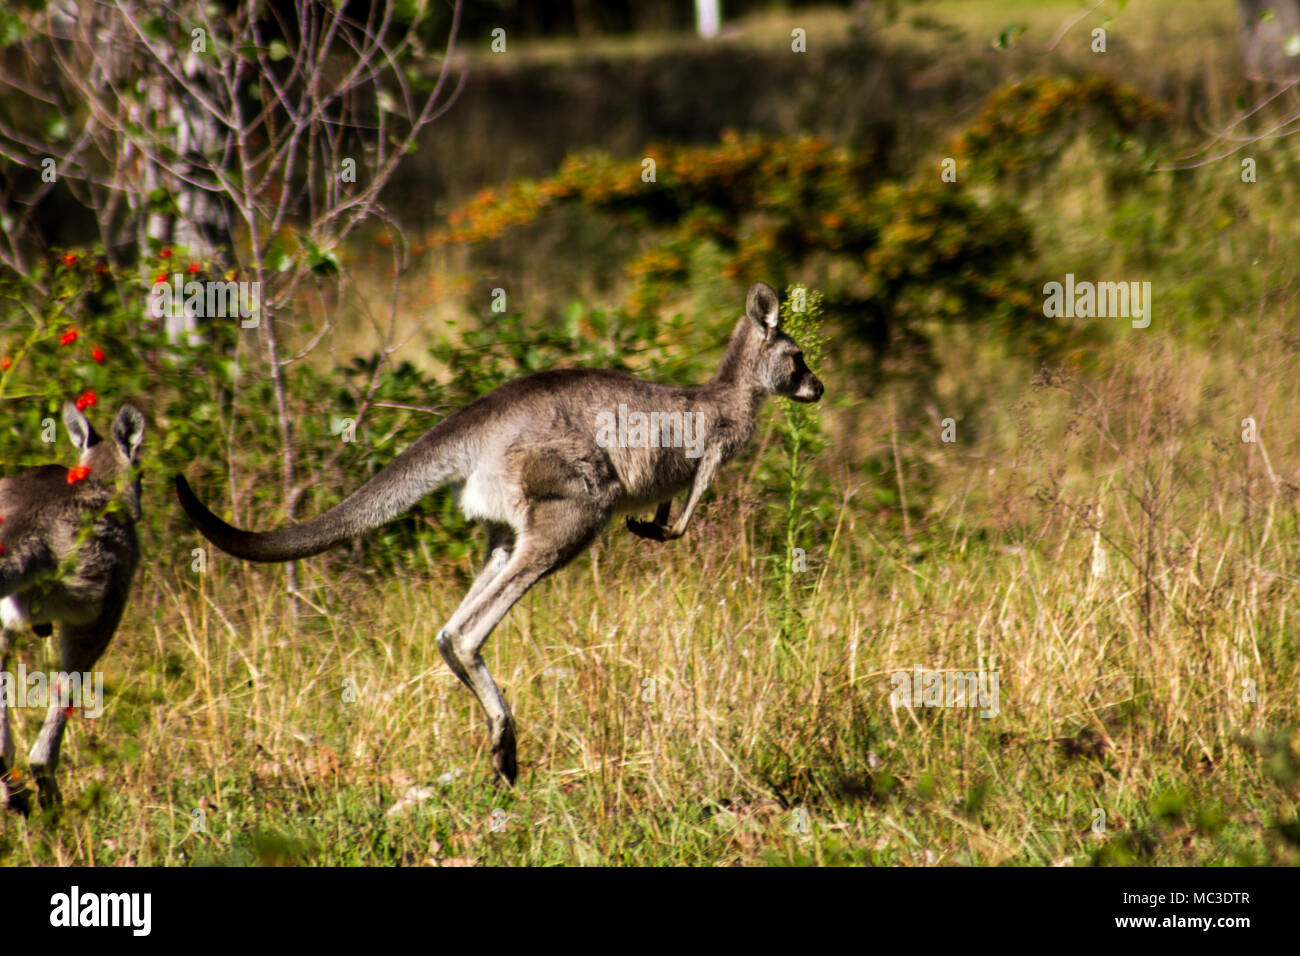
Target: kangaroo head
(107, 460)
(779, 364)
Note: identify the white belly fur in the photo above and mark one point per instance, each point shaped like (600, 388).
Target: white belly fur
(11, 613)
(486, 497)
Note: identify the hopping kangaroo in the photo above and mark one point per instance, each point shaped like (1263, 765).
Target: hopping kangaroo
(68, 552)
(544, 462)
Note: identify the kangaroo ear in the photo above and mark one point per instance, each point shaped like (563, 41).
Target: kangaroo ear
(763, 307)
(128, 430)
(79, 429)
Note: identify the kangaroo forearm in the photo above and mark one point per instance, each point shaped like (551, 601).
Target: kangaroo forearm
(703, 477)
(678, 527)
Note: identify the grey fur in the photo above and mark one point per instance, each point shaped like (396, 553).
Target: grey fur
(42, 530)
(530, 464)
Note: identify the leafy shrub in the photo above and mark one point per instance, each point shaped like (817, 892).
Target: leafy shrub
(1027, 125)
(75, 328)
(890, 255)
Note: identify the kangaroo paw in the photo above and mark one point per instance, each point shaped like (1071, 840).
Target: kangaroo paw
(13, 795)
(503, 754)
(48, 792)
(649, 530)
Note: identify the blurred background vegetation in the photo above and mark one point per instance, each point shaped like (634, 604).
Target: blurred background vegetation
(820, 170)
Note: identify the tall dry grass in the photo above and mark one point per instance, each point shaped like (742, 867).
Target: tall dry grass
(666, 717)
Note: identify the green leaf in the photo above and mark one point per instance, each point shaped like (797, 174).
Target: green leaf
(12, 29)
(155, 28)
(1007, 38)
(323, 262)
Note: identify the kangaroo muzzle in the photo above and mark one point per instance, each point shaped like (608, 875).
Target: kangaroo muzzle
(809, 390)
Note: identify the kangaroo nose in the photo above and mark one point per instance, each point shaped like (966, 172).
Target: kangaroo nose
(810, 390)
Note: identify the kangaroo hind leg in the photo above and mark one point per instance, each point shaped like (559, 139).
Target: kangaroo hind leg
(557, 531)
(80, 646)
(13, 795)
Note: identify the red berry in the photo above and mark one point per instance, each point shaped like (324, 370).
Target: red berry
(77, 473)
(97, 354)
(69, 258)
(68, 337)
(166, 253)
(86, 400)
(5, 363)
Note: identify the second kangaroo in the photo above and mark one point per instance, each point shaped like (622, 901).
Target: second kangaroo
(544, 462)
(68, 552)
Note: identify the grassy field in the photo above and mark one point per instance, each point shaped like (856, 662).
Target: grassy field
(662, 722)
(1098, 535)
(666, 720)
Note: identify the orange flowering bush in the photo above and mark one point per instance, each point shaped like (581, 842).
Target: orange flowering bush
(806, 187)
(776, 207)
(1027, 124)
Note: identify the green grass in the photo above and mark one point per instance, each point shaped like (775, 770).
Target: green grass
(216, 704)
(669, 714)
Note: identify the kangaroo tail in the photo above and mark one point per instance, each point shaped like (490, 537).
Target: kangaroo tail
(424, 467)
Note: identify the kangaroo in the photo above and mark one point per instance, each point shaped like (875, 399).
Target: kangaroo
(68, 552)
(544, 462)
